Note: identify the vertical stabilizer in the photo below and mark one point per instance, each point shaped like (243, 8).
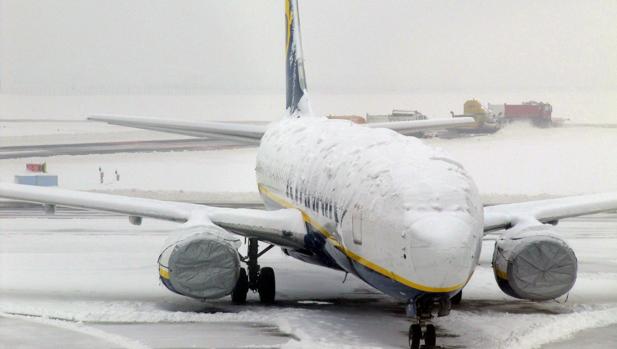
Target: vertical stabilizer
(297, 98)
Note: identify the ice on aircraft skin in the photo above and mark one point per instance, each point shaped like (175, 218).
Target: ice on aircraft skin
(411, 198)
(402, 216)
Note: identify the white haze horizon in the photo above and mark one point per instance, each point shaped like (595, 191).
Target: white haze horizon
(150, 47)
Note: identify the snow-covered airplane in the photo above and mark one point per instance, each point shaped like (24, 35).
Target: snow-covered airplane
(405, 218)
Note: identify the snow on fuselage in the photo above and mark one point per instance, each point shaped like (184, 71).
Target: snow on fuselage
(401, 215)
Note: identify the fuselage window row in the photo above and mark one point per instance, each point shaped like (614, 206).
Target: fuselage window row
(310, 201)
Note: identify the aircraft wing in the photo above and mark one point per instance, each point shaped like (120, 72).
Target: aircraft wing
(283, 227)
(251, 133)
(547, 211)
(406, 127)
(243, 132)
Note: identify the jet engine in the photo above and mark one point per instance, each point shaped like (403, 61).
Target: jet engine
(200, 262)
(534, 263)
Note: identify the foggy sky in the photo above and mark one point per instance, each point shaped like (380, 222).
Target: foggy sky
(191, 46)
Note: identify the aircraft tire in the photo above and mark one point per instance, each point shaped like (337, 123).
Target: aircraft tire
(266, 285)
(238, 295)
(415, 335)
(430, 337)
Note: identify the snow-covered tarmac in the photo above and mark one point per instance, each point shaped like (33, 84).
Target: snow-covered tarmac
(92, 282)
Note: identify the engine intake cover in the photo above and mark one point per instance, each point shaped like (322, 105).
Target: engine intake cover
(202, 265)
(534, 264)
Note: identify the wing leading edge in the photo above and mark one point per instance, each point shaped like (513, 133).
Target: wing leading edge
(547, 211)
(244, 132)
(252, 133)
(282, 227)
(406, 127)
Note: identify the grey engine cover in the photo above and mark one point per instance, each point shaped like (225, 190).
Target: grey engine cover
(534, 263)
(202, 265)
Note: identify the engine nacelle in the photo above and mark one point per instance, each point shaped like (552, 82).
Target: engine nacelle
(200, 262)
(534, 263)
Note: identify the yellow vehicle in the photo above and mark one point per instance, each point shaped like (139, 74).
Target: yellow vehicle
(484, 122)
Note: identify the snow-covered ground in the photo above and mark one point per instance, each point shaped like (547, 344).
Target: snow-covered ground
(522, 159)
(206, 171)
(70, 132)
(518, 160)
(98, 277)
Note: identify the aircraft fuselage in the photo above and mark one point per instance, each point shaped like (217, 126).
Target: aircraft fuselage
(400, 215)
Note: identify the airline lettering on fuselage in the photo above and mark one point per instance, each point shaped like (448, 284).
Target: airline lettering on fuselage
(324, 206)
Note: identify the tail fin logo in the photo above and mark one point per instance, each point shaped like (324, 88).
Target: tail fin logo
(296, 98)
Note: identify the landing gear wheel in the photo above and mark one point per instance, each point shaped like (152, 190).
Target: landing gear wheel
(238, 295)
(266, 286)
(456, 300)
(430, 338)
(415, 335)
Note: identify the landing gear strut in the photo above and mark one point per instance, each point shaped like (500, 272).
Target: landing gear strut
(422, 310)
(257, 279)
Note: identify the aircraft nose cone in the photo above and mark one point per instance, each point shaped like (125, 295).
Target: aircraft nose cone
(442, 251)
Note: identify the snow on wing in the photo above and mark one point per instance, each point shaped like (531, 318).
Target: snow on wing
(253, 133)
(243, 132)
(282, 227)
(507, 215)
(412, 126)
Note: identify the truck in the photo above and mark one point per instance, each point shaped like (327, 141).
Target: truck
(539, 113)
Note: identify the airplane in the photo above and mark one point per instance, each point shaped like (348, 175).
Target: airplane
(365, 199)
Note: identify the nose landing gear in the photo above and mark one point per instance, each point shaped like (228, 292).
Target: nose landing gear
(416, 336)
(422, 309)
(257, 279)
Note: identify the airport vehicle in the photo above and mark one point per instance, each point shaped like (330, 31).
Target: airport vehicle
(539, 113)
(396, 115)
(403, 217)
(485, 122)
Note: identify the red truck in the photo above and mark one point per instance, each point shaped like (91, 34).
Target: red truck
(539, 113)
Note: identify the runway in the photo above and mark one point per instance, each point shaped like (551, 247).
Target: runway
(13, 209)
(89, 280)
(144, 146)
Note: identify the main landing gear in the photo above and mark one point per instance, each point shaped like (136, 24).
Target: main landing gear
(257, 279)
(421, 309)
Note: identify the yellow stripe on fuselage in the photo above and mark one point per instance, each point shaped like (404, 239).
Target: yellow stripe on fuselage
(289, 17)
(359, 259)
